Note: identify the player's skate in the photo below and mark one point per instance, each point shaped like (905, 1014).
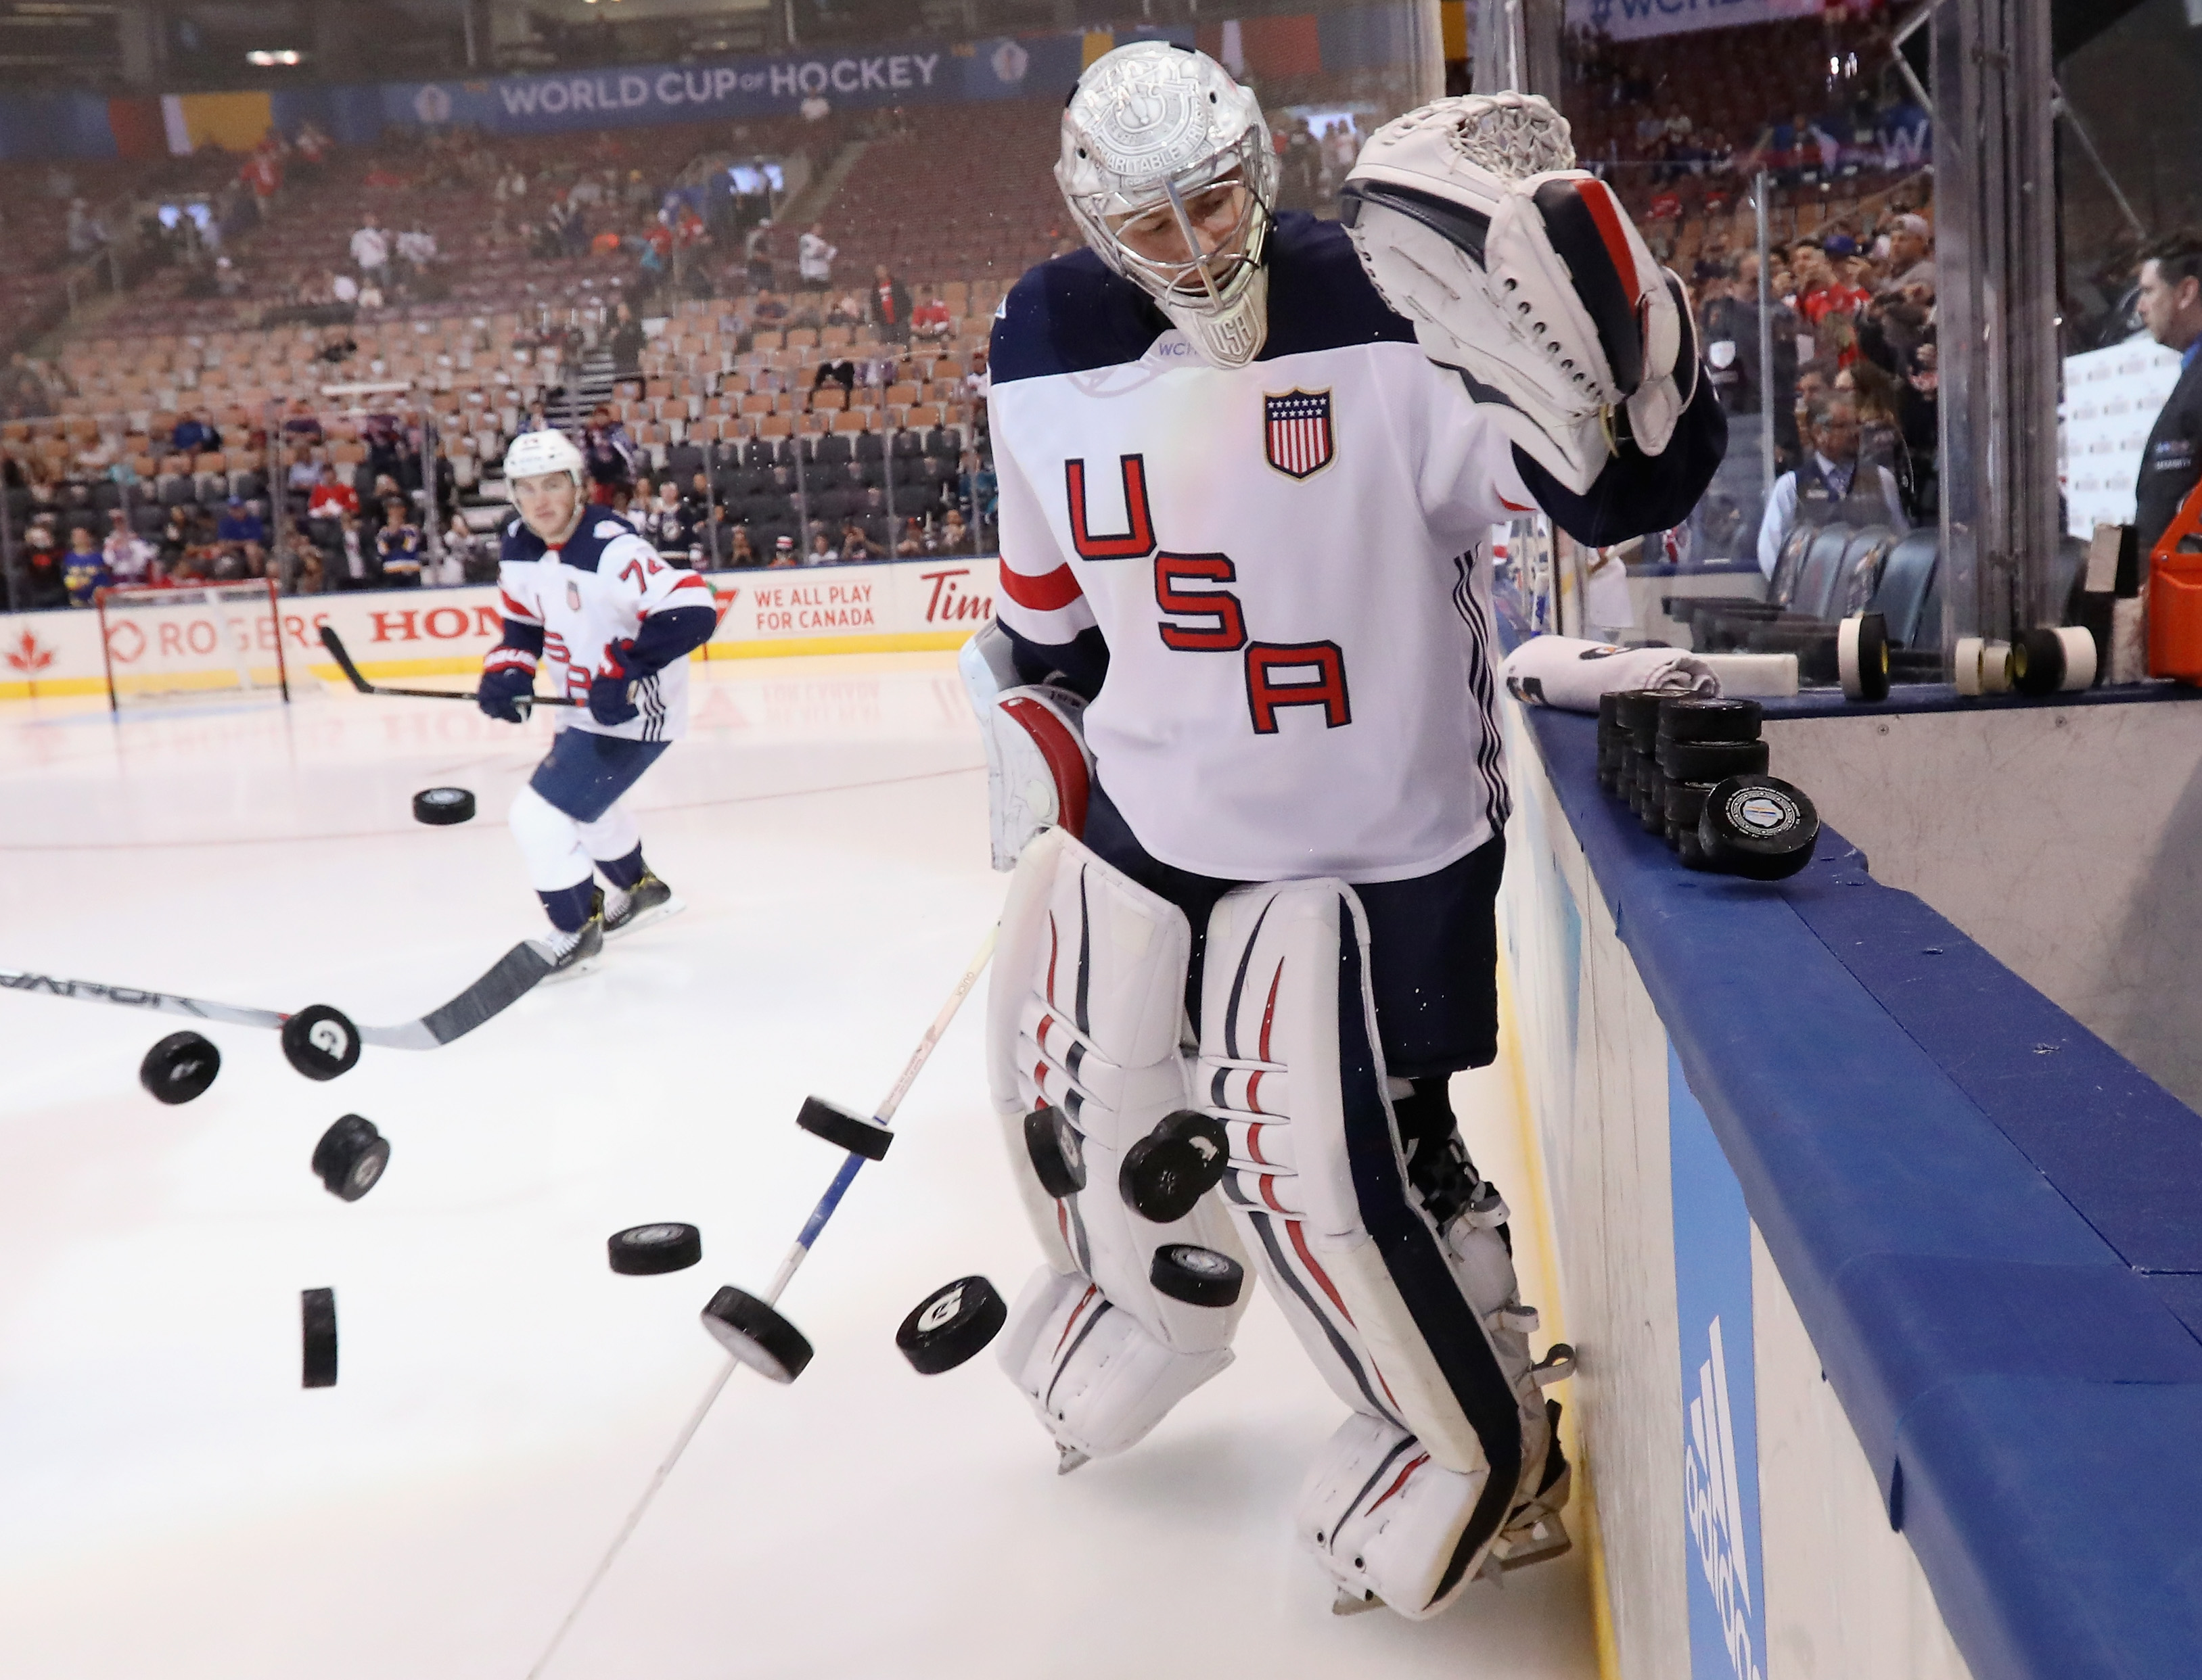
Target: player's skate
(649, 900)
(577, 952)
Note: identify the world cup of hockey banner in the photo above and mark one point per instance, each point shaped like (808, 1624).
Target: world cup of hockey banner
(1633, 19)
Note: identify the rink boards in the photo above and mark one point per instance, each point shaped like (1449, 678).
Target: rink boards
(884, 606)
(1866, 1250)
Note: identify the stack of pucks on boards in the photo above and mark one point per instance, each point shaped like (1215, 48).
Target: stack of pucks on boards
(1698, 744)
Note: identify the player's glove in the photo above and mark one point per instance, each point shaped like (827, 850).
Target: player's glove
(1527, 275)
(611, 692)
(508, 684)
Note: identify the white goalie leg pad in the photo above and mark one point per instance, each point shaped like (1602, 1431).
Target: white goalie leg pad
(1040, 773)
(1417, 1327)
(1085, 1013)
(550, 844)
(1099, 1381)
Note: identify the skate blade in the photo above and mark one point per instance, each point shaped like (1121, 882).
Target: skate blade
(672, 907)
(586, 965)
(1351, 1603)
(1068, 1458)
(1535, 1547)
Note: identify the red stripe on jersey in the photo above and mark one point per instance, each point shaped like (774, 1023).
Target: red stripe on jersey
(1051, 958)
(1068, 1323)
(1514, 507)
(1048, 593)
(691, 581)
(513, 609)
(1270, 1195)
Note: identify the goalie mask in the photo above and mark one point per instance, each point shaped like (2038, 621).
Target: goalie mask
(1168, 169)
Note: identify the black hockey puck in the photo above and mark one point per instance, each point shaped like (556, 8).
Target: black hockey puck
(180, 1068)
(440, 807)
(1651, 808)
(1057, 1153)
(950, 1326)
(1691, 848)
(350, 1157)
(1861, 656)
(1637, 710)
(1758, 827)
(1196, 1276)
(1695, 717)
(1711, 761)
(320, 1041)
(757, 1334)
(1686, 803)
(1167, 1171)
(644, 1251)
(858, 1134)
(317, 1315)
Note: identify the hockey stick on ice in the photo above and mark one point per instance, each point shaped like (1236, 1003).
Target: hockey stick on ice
(515, 974)
(795, 1255)
(334, 643)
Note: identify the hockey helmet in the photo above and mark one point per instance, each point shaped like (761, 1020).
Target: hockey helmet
(533, 454)
(1169, 170)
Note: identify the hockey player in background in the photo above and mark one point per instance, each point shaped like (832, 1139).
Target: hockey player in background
(614, 622)
(1248, 465)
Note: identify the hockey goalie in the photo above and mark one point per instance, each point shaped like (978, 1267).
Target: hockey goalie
(1239, 707)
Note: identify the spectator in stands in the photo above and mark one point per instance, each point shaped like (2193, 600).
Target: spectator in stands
(370, 295)
(416, 249)
(308, 152)
(129, 556)
(307, 574)
(263, 176)
(195, 434)
(625, 344)
(370, 252)
(846, 310)
(954, 535)
(835, 371)
(332, 498)
(757, 254)
(304, 475)
(302, 425)
(664, 521)
(725, 544)
(84, 568)
(1831, 485)
(821, 551)
(783, 551)
(610, 455)
(911, 544)
(399, 547)
(930, 320)
(814, 258)
(86, 233)
(1911, 253)
(890, 306)
(243, 533)
(350, 551)
(855, 545)
(42, 566)
(768, 311)
(2170, 306)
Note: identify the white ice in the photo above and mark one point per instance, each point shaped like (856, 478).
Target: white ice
(174, 1504)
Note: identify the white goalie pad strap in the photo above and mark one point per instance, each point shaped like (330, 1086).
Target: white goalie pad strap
(1085, 1012)
(1098, 1379)
(1382, 1516)
(1416, 1321)
(1040, 773)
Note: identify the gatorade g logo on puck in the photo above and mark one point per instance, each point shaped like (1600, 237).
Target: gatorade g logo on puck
(942, 1310)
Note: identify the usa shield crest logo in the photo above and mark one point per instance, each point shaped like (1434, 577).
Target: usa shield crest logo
(1296, 433)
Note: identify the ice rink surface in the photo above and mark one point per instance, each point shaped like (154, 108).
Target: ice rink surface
(174, 1504)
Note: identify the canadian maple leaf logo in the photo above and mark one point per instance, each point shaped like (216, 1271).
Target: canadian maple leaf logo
(28, 657)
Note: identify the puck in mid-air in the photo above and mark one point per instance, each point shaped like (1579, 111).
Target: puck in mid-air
(1697, 717)
(859, 1134)
(320, 1041)
(951, 1324)
(350, 1157)
(1056, 1151)
(1196, 1276)
(1167, 1171)
(1757, 827)
(1861, 656)
(644, 1251)
(317, 1314)
(757, 1334)
(440, 807)
(180, 1068)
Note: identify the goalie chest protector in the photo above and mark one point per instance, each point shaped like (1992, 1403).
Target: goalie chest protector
(1286, 561)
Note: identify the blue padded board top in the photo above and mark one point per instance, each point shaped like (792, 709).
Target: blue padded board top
(1991, 1225)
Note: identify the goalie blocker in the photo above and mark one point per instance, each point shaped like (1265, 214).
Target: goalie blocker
(1399, 1285)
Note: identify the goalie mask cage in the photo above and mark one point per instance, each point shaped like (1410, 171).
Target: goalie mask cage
(197, 639)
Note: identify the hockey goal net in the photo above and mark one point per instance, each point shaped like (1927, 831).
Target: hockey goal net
(191, 640)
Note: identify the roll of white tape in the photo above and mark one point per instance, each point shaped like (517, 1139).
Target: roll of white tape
(1966, 662)
(1995, 667)
(2079, 658)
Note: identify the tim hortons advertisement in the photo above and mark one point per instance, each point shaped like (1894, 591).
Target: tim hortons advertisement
(896, 606)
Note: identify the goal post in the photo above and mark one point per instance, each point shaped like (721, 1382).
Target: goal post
(192, 639)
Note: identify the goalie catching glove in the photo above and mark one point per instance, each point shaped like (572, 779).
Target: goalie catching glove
(1526, 275)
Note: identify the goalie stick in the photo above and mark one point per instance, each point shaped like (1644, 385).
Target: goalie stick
(515, 975)
(795, 1255)
(334, 643)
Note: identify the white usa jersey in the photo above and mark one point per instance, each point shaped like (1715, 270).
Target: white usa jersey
(593, 590)
(1283, 559)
